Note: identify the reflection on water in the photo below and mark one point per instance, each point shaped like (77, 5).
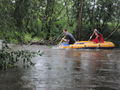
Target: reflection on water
(70, 69)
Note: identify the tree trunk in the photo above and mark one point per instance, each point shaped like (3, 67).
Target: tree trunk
(78, 29)
(48, 20)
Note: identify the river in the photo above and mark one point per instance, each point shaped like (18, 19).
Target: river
(65, 69)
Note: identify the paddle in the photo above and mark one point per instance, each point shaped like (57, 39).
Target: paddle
(90, 38)
(61, 41)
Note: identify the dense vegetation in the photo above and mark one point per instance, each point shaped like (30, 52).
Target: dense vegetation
(26, 20)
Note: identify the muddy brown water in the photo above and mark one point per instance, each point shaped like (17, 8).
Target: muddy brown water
(65, 69)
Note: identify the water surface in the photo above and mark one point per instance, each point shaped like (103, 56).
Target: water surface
(65, 69)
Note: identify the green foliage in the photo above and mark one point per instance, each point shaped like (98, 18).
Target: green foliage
(9, 58)
(45, 19)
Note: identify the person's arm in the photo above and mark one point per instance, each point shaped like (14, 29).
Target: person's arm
(96, 33)
(65, 40)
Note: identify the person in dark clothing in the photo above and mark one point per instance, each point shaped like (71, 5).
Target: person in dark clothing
(68, 37)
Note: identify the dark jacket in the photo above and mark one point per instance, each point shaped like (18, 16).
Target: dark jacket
(70, 37)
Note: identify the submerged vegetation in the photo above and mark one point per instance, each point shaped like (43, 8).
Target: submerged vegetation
(9, 58)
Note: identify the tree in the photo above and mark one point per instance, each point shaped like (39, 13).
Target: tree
(48, 19)
(78, 5)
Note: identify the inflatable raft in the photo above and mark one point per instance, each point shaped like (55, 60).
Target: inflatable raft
(89, 45)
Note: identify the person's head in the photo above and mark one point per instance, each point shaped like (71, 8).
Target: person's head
(96, 30)
(65, 31)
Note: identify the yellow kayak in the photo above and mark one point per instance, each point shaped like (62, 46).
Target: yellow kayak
(89, 45)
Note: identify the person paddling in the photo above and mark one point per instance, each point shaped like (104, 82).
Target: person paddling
(69, 38)
(99, 37)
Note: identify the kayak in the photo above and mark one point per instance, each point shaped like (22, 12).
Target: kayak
(89, 45)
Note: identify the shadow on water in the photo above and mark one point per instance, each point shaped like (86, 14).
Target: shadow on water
(70, 69)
